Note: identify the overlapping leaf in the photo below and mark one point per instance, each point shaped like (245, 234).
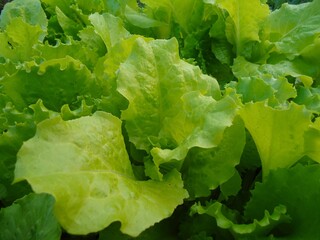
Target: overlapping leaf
(293, 27)
(30, 218)
(226, 219)
(297, 189)
(56, 82)
(83, 163)
(154, 79)
(243, 22)
(280, 142)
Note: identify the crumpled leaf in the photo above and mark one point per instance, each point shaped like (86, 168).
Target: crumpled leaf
(30, 218)
(153, 79)
(83, 163)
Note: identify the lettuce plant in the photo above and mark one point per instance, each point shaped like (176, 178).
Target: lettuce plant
(194, 119)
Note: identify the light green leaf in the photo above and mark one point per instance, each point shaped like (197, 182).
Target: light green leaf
(83, 163)
(140, 20)
(30, 218)
(312, 141)
(293, 27)
(29, 11)
(91, 6)
(68, 13)
(19, 39)
(153, 79)
(244, 21)
(70, 27)
(261, 82)
(83, 110)
(92, 40)
(40, 112)
(298, 189)
(189, 14)
(277, 133)
(109, 27)
(107, 70)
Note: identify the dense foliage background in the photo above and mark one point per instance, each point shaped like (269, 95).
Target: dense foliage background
(173, 119)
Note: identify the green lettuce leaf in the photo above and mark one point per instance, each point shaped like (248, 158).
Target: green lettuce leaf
(261, 82)
(107, 70)
(292, 28)
(203, 127)
(243, 23)
(16, 127)
(56, 82)
(83, 163)
(24, 25)
(153, 79)
(109, 28)
(309, 97)
(30, 218)
(19, 40)
(191, 16)
(91, 6)
(298, 189)
(30, 11)
(226, 219)
(82, 50)
(69, 26)
(310, 55)
(150, 18)
(312, 141)
(206, 169)
(277, 133)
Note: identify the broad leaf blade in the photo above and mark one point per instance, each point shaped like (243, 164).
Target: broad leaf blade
(83, 163)
(278, 133)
